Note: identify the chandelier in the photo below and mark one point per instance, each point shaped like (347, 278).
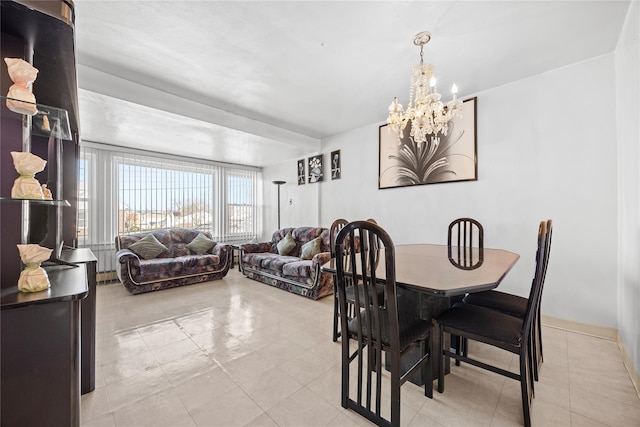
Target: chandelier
(427, 114)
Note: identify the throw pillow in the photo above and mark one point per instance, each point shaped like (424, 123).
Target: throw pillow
(201, 244)
(311, 248)
(148, 247)
(286, 245)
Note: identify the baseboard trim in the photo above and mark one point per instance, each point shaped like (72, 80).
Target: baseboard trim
(635, 378)
(582, 328)
(599, 332)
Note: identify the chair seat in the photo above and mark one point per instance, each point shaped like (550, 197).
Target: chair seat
(496, 300)
(486, 325)
(411, 328)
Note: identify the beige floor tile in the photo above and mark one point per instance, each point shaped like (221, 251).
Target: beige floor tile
(136, 388)
(329, 386)
(176, 350)
(102, 421)
(604, 409)
(451, 410)
(187, 367)
(164, 337)
(233, 408)
(122, 350)
(303, 408)
(475, 385)
(204, 388)
(160, 409)
(227, 350)
(247, 367)
(94, 405)
(127, 367)
(349, 419)
(306, 367)
(578, 420)
(199, 322)
(271, 387)
(262, 420)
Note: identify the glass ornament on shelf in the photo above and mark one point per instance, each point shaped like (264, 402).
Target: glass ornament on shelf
(20, 99)
(27, 165)
(33, 278)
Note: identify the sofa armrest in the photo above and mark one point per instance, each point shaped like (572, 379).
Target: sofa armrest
(319, 260)
(251, 248)
(124, 256)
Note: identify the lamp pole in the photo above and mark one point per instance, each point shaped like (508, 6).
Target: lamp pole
(279, 183)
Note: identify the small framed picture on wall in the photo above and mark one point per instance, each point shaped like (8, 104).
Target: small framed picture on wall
(335, 164)
(301, 172)
(315, 169)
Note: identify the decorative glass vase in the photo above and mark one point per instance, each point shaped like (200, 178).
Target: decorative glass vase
(26, 186)
(20, 98)
(33, 278)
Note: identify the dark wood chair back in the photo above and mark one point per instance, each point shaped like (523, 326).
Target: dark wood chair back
(465, 242)
(335, 228)
(365, 258)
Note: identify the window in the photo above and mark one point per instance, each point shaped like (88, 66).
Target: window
(123, 191)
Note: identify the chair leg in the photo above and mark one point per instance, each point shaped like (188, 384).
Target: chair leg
(440, 359)
(427, 369)
(458, 346)
(346, 361)
(526, 385)
(336, 318)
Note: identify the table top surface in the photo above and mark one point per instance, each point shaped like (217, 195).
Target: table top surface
(436, 269)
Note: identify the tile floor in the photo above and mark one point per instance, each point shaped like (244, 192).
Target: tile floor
(235, 352)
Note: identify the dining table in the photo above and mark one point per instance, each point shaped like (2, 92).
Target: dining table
(430, 278)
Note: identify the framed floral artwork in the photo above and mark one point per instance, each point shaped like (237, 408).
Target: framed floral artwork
(315, 169)
(336, 170)
(301, 172)
(442, 159)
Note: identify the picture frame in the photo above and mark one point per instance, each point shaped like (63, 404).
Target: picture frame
(453, 159)
(301, 171)
(316, 169)
(336, 167)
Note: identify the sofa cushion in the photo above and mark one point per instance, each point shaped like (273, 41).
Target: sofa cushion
(148, 247)
(311, 248)
(201, 244)
(286, 245)
(275, 263)
(297, 269)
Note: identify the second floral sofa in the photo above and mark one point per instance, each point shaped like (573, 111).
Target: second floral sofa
(291, 261)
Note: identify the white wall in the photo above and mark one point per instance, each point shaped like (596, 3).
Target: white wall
(546, 149)
(628, 113)
(298, 203)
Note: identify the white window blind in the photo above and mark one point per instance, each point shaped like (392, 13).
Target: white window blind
(123, 191)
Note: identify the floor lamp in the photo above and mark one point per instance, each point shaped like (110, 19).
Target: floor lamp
(279, 183)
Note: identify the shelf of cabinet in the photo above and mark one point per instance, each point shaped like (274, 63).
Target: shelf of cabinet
(63, 203)
(44, 121)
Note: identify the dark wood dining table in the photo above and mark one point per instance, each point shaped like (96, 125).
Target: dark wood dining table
(429, 278)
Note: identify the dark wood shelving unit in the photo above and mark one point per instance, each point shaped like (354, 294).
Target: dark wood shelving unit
(47, 337)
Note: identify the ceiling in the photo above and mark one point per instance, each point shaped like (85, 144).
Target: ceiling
(260, 82)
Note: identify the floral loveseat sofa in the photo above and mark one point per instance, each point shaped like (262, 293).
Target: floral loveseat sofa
(295, 270)
(168, 258)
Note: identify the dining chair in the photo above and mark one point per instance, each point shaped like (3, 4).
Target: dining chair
(376, 328)
(516, 305)
(336, 226)
(464, 236)
(499, 329)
